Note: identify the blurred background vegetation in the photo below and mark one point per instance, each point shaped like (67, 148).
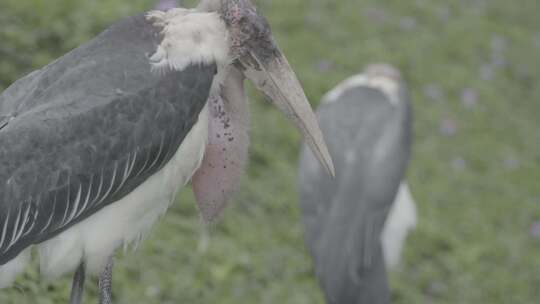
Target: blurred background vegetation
(474, 71)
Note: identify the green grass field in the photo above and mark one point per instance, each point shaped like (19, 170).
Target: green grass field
(474, 71)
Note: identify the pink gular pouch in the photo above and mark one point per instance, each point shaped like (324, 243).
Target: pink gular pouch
(226, 155)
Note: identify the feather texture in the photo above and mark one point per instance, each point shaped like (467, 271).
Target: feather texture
(88, 129)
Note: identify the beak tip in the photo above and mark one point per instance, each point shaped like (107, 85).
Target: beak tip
(331, 170)
(328, 164)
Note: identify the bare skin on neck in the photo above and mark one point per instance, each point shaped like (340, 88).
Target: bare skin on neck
(226, 155)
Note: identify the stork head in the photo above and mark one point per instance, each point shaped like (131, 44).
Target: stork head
(383, 70)
(255, 53)
(252, 53)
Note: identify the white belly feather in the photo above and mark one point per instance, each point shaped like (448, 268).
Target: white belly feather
(401, 220)
(125, 221)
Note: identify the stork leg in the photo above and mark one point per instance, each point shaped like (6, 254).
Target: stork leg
(105, 283)
(77, 287)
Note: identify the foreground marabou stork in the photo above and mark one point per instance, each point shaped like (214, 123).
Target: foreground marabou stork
(367, 123)
(95, 146)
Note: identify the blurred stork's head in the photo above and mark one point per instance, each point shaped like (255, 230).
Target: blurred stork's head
(383, 70)
(380, 76)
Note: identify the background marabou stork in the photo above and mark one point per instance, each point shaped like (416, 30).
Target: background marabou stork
(95, 146)
(367, 122)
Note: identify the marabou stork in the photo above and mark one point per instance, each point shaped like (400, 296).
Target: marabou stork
(367, 123)
(95, 146)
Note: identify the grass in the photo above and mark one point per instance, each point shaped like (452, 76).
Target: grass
(473, 68)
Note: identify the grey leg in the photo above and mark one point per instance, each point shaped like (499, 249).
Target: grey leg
(105, 283)
(77, 287)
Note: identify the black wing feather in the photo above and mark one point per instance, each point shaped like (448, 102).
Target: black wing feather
(88, 129)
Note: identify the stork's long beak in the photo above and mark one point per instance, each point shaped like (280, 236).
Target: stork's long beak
(272, 74)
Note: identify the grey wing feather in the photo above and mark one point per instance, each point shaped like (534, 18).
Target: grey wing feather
(88, 129)
(369, 140)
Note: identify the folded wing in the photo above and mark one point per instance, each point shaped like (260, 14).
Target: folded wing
(87, 129)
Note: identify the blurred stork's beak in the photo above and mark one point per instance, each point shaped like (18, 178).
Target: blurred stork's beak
(272, 74)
